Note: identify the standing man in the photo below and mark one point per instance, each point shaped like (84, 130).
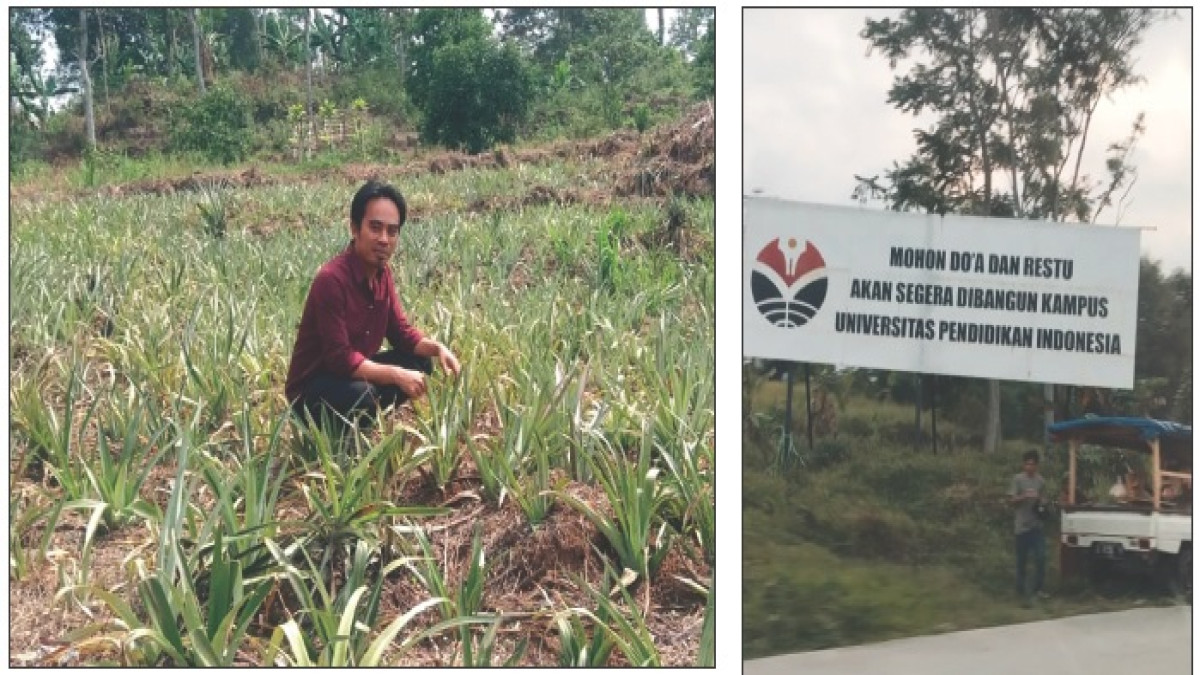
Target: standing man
(351, 307)
(1025, 493)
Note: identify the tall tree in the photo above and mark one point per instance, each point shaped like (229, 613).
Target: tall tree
(172, 34)
(434, 28)
(283, 37)
(240, 25)
(1015, 91)
(104, 45)
(549, 34)
(705, 61)
(193, 16)
(28, 90)
(308, 85)
(688, 28)
(88, 112)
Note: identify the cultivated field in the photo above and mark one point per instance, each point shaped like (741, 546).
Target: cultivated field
(553, 506)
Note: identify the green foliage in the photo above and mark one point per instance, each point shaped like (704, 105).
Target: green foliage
(217, 125)
(1028, 85)
(1164, 336)
(638, 499)
(382, 88)
(613, 36)
(445, 426)
(598, 87)
(192, 632)
(53, 436)
(641, 117)
(117, 481)
(627, 628)
(689, 29)
(25, 146)
(705, 63)
(608, 250)
(575, 648)
(24, 514)
(346, 500)
(336, 624)
(478, 95)
(434, 29)
(707, 658)
(521, 465)
(214, 207)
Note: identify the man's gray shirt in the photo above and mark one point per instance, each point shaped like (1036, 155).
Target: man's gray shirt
(1025, 519)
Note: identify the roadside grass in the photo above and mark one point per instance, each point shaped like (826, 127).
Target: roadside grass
(870, 538)
(148, 350)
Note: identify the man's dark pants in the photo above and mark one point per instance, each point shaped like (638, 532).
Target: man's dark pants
(350, 398)
(1031, 541)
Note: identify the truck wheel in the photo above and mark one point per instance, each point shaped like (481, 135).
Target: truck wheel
(1176, 571)
(1098, 570)
(1069, 563)
(1184, 569)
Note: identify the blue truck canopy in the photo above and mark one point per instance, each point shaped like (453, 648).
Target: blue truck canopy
(1131, 433)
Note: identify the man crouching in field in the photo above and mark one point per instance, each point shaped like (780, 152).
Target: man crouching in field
(351, 307)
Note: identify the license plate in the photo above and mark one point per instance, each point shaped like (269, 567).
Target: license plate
(1108, 550)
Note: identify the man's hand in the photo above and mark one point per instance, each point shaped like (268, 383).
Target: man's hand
(411, 382)
(431, 348)
(448, 360)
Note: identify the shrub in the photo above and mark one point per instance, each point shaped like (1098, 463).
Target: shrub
(25, 144)
(641, 117)
(218, 125)
(856, 427)
(479, 94)
(827, 452)
(883, 535)
(381, 87)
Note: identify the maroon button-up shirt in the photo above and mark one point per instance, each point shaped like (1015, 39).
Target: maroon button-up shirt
(345, 321)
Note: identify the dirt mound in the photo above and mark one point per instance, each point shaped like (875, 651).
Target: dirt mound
(540, 195)
(247, 178)
(677, 159)
(672, 159)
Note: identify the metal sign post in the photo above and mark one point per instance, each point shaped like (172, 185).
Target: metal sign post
(808, 405)
(786, 447)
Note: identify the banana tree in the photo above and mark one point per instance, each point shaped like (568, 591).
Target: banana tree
(283, 37)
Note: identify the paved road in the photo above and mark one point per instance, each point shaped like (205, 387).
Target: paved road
(1157, 641)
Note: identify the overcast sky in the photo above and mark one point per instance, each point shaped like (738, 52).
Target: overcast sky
(816, 113)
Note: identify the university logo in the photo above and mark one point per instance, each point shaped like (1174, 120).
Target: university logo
(789, 283)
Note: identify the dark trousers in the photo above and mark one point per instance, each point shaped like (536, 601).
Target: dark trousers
(1031, 542)
(330, 397)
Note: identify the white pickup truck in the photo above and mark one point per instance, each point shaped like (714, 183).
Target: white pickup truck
(1146, 517)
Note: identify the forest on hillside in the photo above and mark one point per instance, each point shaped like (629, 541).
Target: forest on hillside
(225, 84)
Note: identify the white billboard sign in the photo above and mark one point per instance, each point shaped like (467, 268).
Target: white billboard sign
(954, 295)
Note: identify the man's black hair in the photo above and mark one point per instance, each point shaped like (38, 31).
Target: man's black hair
(1030, 454)
(372, 190)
